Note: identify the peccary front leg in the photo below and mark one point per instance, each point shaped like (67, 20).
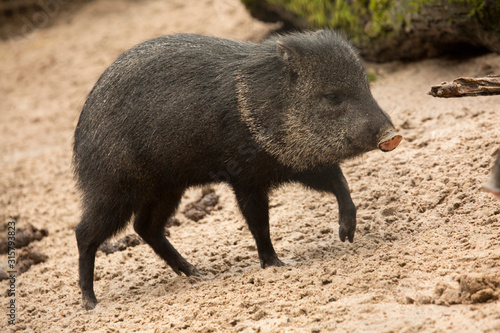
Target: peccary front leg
(347, 210)
(333, 181)
(254, 205)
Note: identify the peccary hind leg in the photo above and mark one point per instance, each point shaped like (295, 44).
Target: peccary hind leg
(333, 181)
(150, 225)
(254, 205)
(99, 222)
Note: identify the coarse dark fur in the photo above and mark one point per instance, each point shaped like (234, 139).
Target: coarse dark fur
(185, 110)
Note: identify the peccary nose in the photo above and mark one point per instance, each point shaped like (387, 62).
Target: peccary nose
(389, 140)
(493, 183)
(492, 187)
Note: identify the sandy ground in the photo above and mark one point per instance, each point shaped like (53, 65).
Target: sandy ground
(427, 236)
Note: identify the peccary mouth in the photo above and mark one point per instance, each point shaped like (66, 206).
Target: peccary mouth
(389, 141)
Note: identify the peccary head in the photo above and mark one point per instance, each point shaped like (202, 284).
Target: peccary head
(321, 111)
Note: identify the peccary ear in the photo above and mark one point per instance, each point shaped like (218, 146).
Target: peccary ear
(284, 52)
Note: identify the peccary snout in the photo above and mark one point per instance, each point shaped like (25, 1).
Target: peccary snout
(493, 183)
(389, 140)
(372, 128)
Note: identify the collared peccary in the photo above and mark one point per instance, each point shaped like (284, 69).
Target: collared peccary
(493, 183)
(185, 110)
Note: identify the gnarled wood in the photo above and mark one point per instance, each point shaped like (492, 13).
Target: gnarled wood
(466, 86)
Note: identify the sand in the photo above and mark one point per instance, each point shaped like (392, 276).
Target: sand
(426, 255)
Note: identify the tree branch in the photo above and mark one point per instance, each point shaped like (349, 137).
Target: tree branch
(466, 86)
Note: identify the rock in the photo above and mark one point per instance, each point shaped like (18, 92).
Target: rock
(199, 209)
(472, 288)
(125, 242)
(24, 236)
(483, 295)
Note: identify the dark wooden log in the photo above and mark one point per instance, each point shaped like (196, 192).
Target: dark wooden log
(394, 30)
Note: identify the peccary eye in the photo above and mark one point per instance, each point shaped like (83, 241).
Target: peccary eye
(334, 99)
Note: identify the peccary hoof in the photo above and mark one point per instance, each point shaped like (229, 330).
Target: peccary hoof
(349, 234)
(89, 302)
(183, 266)
(274, 261)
